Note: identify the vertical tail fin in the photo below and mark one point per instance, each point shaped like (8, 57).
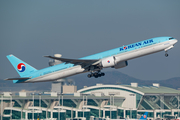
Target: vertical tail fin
(144, 117)
(20, 66)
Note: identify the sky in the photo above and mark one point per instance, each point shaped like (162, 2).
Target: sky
(32, 29)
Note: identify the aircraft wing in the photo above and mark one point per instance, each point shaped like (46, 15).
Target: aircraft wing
(76, 61)
(21, 78)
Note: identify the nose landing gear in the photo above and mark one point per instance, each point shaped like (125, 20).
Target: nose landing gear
(166, 54)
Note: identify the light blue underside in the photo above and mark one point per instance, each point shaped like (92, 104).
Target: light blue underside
(33, 73)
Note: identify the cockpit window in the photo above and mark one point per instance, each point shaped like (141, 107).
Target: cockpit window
(171, 38)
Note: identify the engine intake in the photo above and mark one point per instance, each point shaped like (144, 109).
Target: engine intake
(108, 62)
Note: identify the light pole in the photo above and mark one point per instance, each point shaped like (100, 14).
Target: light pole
(132, 105)
(113, 100)
(11, 106)
(86, 103)
(161, 104)
(62, 102)
(33, 107)
(83, 106)
(71, 112)
(99, 109)
(112, 94)
(59, 106)
(110, 106)
(21, 111)
(39, 103)
(178, 106)
(1, 105)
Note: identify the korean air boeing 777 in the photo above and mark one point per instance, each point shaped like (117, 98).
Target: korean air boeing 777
(115, 58)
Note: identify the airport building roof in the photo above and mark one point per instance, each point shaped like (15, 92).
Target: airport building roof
(134, 88)
(155, 90)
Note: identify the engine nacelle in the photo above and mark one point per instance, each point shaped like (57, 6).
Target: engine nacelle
(113, 62)
(108, 62)
(121, 65)
(55, 62)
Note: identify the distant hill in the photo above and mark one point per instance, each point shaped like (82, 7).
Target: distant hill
(10, 86)
(115, 77)
(81, 80)
(112, 77)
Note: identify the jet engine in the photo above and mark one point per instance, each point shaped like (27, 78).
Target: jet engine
(108, 62)
(55, 62)
(112, 62)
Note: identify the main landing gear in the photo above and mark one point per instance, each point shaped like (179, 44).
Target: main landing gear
(96, 75)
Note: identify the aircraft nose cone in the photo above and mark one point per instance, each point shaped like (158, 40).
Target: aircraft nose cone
(175, 41)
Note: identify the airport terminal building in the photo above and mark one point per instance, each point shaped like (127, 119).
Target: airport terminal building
(103, 102)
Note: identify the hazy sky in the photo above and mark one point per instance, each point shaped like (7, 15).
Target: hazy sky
(34, 28)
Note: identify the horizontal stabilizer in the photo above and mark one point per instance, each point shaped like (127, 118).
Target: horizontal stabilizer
(22, 78)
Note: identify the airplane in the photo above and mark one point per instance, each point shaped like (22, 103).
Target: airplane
(143, 117)
(114, 58)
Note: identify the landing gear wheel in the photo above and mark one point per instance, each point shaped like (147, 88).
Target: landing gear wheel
(89, 75)
(166, 55)
(96, 74)
(102, 74)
